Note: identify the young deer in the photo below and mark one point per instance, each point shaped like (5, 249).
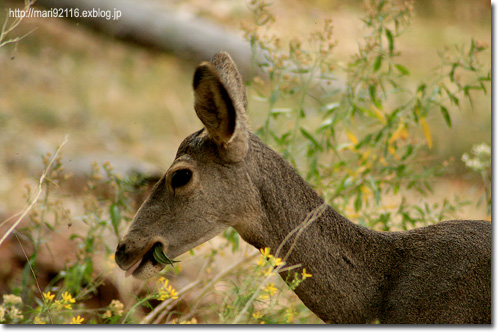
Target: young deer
(223, 176)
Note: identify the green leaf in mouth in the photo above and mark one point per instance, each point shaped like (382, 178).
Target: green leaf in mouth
(160, 256)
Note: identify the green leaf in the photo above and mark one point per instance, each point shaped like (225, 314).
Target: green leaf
(311, 138)
(452, 71)
(280, 111)
(274, 96)
(373, 96)
(161, 257)
(390, 40)
(402, 69)
(116, 217)
(421, 88)
(300, 71)
(358, 203)
(446, 116)
(232, 237)
(302, 113)
(377, 64)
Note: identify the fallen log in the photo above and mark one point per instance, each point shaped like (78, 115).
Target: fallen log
(152, 24)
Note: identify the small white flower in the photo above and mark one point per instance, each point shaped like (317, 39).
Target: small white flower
(12, 299)
(2, 314)
(481, 149)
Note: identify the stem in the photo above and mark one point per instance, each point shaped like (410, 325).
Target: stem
(30, 206)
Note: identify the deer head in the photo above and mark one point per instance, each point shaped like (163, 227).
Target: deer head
(207, 188)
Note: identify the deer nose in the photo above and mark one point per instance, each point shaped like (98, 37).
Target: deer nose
(120, 250)
(121, 256)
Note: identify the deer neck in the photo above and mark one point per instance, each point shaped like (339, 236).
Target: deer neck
(341, 256)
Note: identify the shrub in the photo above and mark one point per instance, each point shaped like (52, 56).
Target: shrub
(366, 138)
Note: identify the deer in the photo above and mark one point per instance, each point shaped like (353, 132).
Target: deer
(224, 176)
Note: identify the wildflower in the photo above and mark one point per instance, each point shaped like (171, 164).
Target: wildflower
(12, 299)
(48, 296)
(271, 289)
(257, 315)
(266, 252)
(278, 262)
(289, 313)
(15, 313)
(39, 321)
(166, 290)
(481, 149)
(107, 314)
(2, 314)
(117, 307)
(107, 166)
(65, 303)
(67, 298)
(305, 275)
(77, 320)
(269, 272)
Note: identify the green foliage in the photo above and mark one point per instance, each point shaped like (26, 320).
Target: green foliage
(364, 139)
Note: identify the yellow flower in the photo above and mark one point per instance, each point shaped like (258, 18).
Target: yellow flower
(48, 296)
(265, 252)
(77, 320)
(60, 305)
(278, 262)
(305, 274)
(166, 291)
(271, 289)
(257, 315)
(172, 292)
(67, 298)
(269, 272)
(39, 321)
(290, 312)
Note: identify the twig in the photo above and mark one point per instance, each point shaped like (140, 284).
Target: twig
(34, 277)
(6, 30)
(25, 211)
(214, 280)
(310, 218)
(166, 304)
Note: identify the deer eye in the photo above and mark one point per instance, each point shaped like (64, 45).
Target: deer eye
(180, 178)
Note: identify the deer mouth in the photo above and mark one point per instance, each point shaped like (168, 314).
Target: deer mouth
(145, 266)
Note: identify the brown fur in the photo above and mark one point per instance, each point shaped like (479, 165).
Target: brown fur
(437, 274)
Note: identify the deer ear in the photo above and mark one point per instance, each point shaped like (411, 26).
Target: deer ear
(220, 103)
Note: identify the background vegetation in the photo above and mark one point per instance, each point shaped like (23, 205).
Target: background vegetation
(383, 106)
